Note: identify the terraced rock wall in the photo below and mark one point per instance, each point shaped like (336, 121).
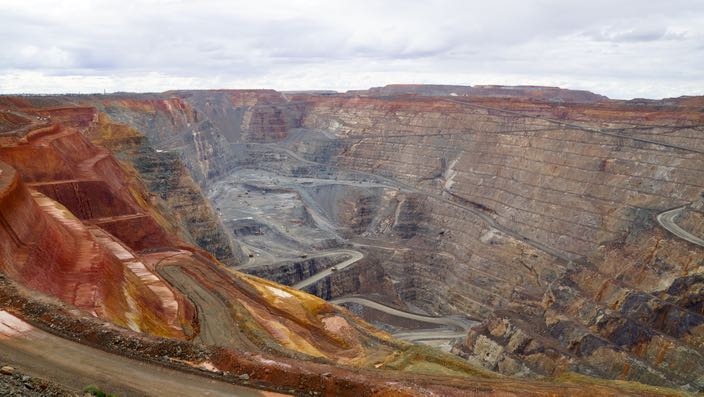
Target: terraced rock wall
(169, 182)
(587, 182)
(165, 176)
(45, 248)
(203, 125)
(538, 216)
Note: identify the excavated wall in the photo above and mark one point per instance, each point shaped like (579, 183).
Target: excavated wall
(537, 216)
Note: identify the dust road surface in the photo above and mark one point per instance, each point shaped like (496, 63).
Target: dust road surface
(47, 356)
(667, 220)
(446, 320)
(429, 335)
(355, 256)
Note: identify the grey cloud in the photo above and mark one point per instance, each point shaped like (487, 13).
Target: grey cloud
(620, 48)
(636, 34)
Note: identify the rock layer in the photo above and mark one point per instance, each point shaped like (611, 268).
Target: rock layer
(96, 240)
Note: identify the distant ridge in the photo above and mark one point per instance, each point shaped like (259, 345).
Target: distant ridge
(555, 94)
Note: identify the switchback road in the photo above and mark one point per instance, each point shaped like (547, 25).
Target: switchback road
(667, 220)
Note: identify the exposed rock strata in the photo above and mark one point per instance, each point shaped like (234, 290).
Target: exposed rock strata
(121, 259)
(537, 215)
(169, 183)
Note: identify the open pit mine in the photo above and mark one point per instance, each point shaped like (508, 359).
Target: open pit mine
(398, 241)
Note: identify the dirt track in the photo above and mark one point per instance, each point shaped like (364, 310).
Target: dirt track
(74, 365)
(354, 257)
(444, 320)
(667, 220)
(456, 327)
(491, 222)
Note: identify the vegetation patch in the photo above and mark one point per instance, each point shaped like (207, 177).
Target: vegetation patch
(94, 390)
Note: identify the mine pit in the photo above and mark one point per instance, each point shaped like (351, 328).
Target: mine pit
(307, 241)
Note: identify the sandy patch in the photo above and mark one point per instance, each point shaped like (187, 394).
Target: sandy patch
(11, 326)
(336, 325)
(279, 292)
(266, 361)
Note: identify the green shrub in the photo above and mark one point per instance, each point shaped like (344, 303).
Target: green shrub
(95, 390)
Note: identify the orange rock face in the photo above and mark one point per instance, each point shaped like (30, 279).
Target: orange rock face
(46, 248)
(65, 186)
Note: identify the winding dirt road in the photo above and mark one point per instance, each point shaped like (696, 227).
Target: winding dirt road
(355, 256)
(458, 326)
(419, 336)
(74, 365)
(667, 220)
(490, 222)
(444, 320)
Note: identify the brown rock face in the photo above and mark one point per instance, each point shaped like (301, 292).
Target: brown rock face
(502, 193)
(169, 183)
(562, 183)
(95, 240)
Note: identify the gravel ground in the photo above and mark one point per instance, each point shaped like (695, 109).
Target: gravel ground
(15, 383)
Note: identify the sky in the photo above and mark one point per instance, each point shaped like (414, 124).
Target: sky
(620, 48)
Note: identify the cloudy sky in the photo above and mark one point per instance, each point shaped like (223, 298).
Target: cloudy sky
(620, 48)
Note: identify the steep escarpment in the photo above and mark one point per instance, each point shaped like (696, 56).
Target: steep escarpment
(493, 157)
(495, 197)
(165, 175)
(61, 163)
(551, 184)
(45, 247)
(79, 227)
(561, 184)
(203, 125)
(168, 181)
